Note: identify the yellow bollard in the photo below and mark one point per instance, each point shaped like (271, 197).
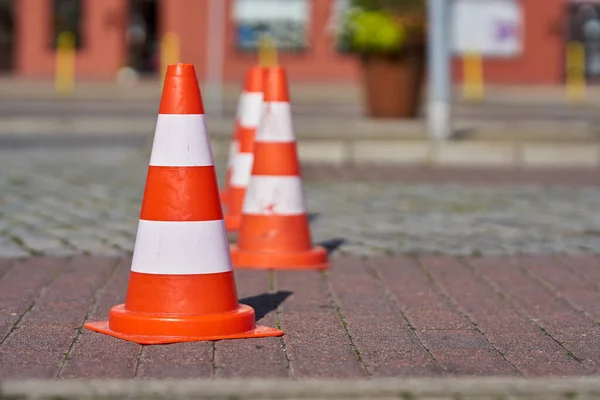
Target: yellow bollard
(64, 76)
(575, 72)
(473, 77)
(169, 52)
(267, 51)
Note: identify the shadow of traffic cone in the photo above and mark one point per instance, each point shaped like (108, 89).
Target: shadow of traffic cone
(181, 284)
(250, 113)
(274, 231)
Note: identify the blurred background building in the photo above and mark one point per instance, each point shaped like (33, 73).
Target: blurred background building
(520, 41)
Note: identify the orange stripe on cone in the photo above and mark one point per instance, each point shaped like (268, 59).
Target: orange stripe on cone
(246, 139)
(275, 85)
(181, 93)
(181, 286)
(274, 231)
(191, 294)
(274, 159)
(249, 118)
(174, 193)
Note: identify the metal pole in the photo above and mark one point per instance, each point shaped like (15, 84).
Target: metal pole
(214, 58)
(438, 107)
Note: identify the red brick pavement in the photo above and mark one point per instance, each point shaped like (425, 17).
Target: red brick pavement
(366, 317)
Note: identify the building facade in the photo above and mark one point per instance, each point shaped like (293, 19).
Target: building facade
(113, 33)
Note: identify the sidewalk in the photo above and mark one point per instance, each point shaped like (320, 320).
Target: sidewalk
(436, 274)
(68, 201)
(514, 127)
(431, 316)
(19, 89)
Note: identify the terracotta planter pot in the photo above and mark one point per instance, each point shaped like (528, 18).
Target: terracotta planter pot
(392, 86)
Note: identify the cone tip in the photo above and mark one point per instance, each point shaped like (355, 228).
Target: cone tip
(181, 93)
(181, 70)
(276, 85)
(254, 79)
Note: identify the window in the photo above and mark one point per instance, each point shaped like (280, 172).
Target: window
(7, 35)
(285, 21)
(66, 16)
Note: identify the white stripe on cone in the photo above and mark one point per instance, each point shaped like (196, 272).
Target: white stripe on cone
(181, 248)
(274, 195)
(251, 109)
(181, 140)
(276, 123)
(242, 170)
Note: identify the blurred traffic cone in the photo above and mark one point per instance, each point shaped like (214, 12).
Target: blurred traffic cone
(234, 147)
(274, 231)
(250, 113)
(181, 284)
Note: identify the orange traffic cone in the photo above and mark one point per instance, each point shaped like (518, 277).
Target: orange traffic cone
(274, 231)
(233, 150)
(181, 284)
(250, 112)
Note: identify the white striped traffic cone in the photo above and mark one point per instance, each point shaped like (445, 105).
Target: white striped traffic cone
(274, 231)
(250, 113)
(181, 285)
(234, 147)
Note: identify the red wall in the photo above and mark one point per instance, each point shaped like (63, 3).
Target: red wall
(187, 19)
(104, 51)
(102, 32)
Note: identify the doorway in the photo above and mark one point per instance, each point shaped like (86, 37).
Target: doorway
(7, 35)
(142, 36)
(584, 27)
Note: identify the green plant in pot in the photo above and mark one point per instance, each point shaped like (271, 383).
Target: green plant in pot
(389, 37)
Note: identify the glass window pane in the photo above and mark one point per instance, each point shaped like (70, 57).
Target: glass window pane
(286, 21)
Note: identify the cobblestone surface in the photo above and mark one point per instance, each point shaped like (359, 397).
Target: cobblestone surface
(87, 200)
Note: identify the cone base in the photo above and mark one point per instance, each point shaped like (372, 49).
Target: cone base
(162, 329)
(232, 222)
(313, 259)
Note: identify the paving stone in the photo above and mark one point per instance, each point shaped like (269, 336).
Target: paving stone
(424, 307)
(93, 246)
(377, 210)
(504, 324)
(177, 361)
(46, 333)
(263, 357)
(322, 347)
(94, 355)
(345, 323)
(581, 294)
(101, 356)
(20, 287)
(552, 313)
(122, 242)
(386, 344)
(9, 248)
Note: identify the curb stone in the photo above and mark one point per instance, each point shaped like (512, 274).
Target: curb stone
(342, 143)
(415, 389)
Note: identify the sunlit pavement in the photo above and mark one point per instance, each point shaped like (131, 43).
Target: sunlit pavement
(435, 273)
